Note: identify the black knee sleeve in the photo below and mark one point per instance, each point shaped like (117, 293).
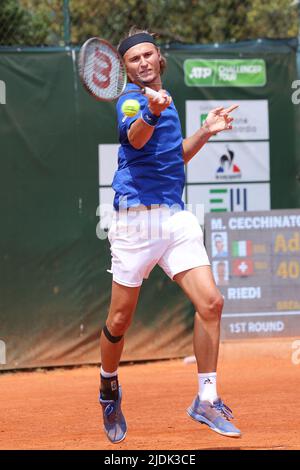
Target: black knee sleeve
(111, 338)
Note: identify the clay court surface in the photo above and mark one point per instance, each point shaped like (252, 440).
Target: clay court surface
(58, 409)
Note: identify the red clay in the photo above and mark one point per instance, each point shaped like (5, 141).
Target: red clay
(59, 410)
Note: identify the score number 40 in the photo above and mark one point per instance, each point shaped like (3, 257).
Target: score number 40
(288, 270)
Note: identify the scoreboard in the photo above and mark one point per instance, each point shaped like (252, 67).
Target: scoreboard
(255, 258)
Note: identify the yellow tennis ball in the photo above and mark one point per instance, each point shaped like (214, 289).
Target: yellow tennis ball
(130, 107)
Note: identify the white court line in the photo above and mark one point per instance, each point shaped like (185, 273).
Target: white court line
(262, 314)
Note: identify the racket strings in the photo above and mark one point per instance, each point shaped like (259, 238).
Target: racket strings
(104, 73)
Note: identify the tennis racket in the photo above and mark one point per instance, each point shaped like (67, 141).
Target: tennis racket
(103, 73)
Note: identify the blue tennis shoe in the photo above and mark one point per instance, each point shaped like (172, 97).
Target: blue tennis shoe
(216, 416)
(115, 425)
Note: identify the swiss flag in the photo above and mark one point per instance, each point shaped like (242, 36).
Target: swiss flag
(242, 267)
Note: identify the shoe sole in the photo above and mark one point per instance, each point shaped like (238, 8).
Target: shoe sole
(115, 442)
(202, 420)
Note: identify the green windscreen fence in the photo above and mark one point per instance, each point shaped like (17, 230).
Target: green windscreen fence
(58, 150)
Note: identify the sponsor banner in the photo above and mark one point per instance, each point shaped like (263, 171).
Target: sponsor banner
(251, 118)
(230, 162)
(106, 196)
(230, 197)
(108, 163)
(225, 72)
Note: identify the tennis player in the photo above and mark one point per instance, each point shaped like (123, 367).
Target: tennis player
(148, 189)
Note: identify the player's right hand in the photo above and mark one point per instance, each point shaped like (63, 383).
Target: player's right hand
(158, 106)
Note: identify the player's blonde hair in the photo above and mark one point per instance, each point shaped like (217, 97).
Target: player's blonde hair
(135, 30)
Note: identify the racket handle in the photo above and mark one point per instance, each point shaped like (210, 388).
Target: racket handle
(154, 94)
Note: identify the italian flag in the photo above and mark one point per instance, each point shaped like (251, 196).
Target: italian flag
(242, 248)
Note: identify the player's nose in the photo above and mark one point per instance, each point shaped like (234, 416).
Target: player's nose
(143, 61)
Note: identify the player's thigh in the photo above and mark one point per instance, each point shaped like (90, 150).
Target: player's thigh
(123, 302)
(200, 287)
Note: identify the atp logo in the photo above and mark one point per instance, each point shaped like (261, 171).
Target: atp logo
(201, 72)
(2, 92)
(227, 169)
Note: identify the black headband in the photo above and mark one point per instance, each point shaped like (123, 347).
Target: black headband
(133, 41)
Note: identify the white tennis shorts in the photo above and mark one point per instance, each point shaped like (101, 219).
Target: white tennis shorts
(141, 239)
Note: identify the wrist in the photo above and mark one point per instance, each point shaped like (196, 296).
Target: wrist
(207, 130)
(156, 113)
(149, 117)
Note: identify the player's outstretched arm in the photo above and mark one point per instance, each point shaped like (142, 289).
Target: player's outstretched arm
(218, 120)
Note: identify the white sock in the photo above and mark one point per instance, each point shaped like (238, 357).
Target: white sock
(208, 386)
(108, 375)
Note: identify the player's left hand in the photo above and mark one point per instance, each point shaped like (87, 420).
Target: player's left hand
(219, 119)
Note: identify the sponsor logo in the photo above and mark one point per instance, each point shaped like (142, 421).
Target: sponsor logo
(114, 385)
(226, 72)
(223, 199)
(251, 119)
(102, 66)
(227, 168)
(217, 200)
(207, 381)
(2, 92)
(203, 118)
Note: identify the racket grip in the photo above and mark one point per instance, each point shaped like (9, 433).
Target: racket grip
(154, 94)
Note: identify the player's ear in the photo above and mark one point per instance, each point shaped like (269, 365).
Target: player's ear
(162, 61)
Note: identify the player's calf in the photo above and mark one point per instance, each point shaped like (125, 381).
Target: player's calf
(110, 397)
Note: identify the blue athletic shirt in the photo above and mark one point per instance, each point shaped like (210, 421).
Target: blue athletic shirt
(153, 174)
